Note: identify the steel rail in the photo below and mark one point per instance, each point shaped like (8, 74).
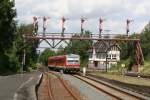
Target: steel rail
(49, 87)
(111, 87)
(66, 87)
(114, 96)
(138, 75)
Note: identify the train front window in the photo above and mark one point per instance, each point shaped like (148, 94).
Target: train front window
(73, 61)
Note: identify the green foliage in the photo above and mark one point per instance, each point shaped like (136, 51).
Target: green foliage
(8, 60)
(44, 56)
(7, 24)
(80, 47)
(28, 45)
(114, 67)
(127, 54)
(146, 67)
(145, 43)
(128, 50)
(25, 29)
(124, 50)
(14, 63)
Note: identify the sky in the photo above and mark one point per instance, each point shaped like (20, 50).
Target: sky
(114, 11)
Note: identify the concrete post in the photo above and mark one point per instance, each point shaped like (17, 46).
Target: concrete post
(84, 71)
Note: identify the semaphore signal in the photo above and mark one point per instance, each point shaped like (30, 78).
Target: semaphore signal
(82, 24)
(35, 24)
(100, 26)
(127, 27)
(60, 37)
(63, 19)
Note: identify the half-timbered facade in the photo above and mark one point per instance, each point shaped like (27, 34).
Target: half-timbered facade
(104, 53)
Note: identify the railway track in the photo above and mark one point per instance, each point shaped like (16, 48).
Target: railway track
(138, 75)
(112, 91)
(64, 92)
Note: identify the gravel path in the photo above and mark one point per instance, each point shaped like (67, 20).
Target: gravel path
(90, 92)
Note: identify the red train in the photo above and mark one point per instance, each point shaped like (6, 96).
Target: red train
(67, 63)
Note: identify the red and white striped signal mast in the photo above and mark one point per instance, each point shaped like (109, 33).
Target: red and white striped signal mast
(63, 19)
(44, 24)
(82, 24)
(100, 26)
(127, 27)
(35, 25)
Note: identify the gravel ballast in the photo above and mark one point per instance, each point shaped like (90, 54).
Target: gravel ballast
(90, 92)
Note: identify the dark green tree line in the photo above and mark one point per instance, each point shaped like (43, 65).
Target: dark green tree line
(128, 49)
(8, 34)
(80, 47)
(12, 42)
(145, 43)
(44, 56)
(28, 45)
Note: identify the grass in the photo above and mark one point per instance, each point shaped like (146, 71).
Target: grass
(125, 79)
(146, 68)
(115, 73)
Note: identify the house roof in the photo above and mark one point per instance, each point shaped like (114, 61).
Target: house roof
(103, 46)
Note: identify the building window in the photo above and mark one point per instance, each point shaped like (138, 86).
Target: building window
(109, 56)
(113, 56)
(103, 55)
(90, 55)
(97, 55)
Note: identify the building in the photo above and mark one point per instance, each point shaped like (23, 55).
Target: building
(104, 52)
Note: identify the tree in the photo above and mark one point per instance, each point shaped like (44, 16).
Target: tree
(127, 55)
(145, 43)
(28, 45)
(80, 47)
(44, 56)
(128, 49)
(7, 36)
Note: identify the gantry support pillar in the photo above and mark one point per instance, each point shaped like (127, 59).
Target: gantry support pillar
(139, 59)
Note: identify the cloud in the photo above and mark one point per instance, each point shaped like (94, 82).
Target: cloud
(115, 12)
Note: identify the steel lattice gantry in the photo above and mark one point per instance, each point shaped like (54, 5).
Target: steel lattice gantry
(139, 59)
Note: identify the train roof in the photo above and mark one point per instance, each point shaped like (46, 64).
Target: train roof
(72, 55)
(62, 56)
